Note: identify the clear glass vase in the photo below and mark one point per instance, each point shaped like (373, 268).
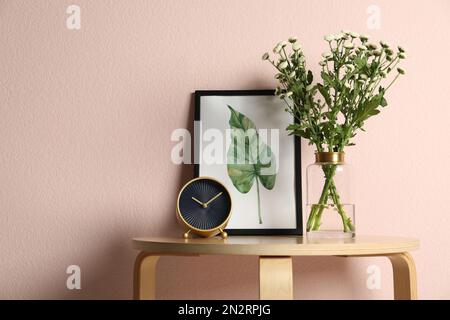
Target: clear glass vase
(331, 212)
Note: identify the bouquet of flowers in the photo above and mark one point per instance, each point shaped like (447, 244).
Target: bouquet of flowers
(355, 76)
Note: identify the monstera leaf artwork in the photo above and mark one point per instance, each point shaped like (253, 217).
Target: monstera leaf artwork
(249, 160)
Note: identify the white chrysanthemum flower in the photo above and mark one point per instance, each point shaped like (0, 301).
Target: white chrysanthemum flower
(376, 53)
(292, 74)
(363, 38)
(265, 56)
(293, 39)
(322, 64)
(296, 46)
(383, 74)
(329, 37)
(327, 55)
(372, 46)
(362, 47)
(283, 44)
(301, 59)
(340, 36)
(288, 94)
(384, 44)
(283, 65)
(401, 49)
(348, 45)
(354, 34)
(277, 49)
(402, 56)
(401, 71)
(363, 77)
(346, 32)
(309, 87)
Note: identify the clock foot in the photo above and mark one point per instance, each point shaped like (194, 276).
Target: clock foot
(186, 234)
(223, 234)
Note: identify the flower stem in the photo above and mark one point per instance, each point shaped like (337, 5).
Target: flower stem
(329, 189)
(329, 174)
(346, 221)
(315, 216)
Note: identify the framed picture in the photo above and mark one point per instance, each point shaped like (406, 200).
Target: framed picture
(241, 140)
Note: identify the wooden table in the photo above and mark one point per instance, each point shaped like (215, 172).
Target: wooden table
(275, 258)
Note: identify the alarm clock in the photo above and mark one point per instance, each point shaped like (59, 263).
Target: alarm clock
(204, 207)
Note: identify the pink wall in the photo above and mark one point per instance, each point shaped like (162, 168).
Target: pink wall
(86, 118)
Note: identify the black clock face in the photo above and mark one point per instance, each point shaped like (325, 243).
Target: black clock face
(204, 204)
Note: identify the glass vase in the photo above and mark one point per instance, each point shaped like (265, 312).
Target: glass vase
(331, 212)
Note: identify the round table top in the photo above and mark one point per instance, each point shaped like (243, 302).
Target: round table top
(276, 246)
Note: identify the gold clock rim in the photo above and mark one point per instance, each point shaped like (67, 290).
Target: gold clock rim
(204, 231)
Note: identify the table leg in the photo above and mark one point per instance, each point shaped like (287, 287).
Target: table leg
(145, 276)
(405, 278)
(275, 278)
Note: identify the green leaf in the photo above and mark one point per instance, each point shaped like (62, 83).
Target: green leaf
(373, 67)
(323, 91)
(239, 121)
(360, 62)
(293, 127)
(309, 77)
(249, 159)
(327, 79)
(368, 109)
(265, 162)
(242, 177)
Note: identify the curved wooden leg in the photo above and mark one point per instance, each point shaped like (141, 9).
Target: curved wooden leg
(275, 278)
(405, 278)
(145, 276)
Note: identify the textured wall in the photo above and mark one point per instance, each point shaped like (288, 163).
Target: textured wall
(86, 118)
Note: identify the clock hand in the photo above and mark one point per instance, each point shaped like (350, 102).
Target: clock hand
(199, 202)
(213, 198)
